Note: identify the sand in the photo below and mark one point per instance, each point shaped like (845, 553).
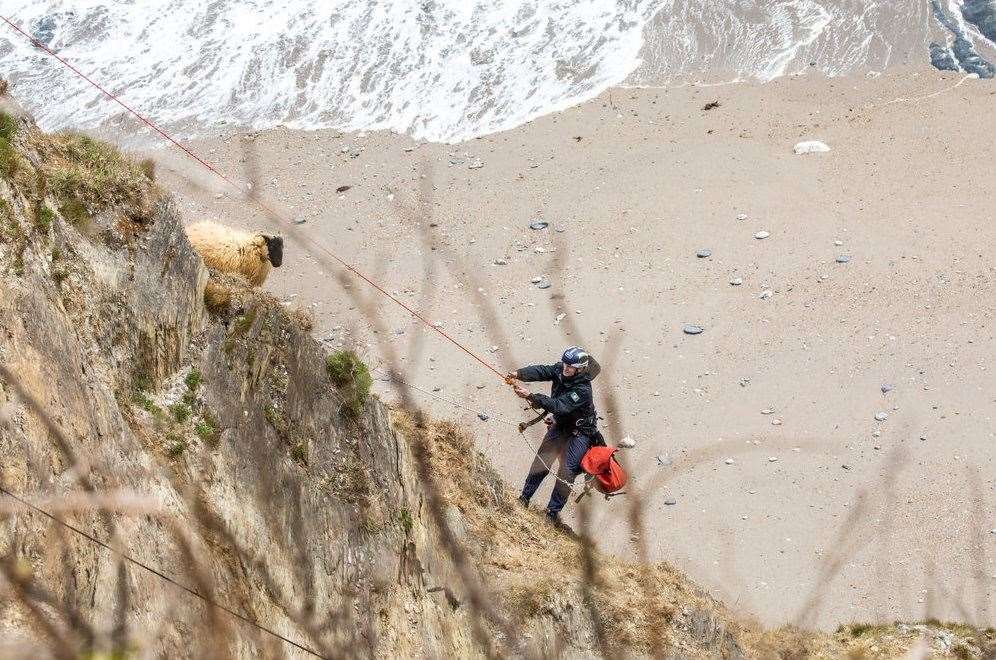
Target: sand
(856, 520)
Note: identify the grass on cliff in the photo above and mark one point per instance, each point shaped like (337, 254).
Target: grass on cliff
(352, 378)
(8, 156)
(89, 175)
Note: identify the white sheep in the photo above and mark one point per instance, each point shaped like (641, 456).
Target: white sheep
(229, 250)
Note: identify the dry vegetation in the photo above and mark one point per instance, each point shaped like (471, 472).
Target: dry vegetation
(535, 571)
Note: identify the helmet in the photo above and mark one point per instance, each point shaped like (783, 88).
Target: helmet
(576, 357)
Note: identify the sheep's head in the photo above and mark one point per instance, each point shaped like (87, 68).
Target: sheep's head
(274, 249)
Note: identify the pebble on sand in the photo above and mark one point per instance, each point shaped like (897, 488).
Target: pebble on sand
(737, 281)
(886, 388)
(543, 285)
(483, 417)
(843, 258)
(772, 459)
(539, 224)
(881, 416)
(729, 461)
(627, 442)
(501, 262)
(536, 280)
(670, 501)
(762, 234)
(702, 254)
(692, 329)
(810, 147)
(742, 216)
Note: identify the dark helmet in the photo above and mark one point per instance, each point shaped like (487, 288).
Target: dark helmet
(576, 357)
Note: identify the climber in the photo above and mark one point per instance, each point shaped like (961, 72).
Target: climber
(571, 432)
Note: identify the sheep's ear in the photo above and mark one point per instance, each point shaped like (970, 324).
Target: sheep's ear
(274, 249)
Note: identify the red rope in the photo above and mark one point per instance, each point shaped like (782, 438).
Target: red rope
(266, 208)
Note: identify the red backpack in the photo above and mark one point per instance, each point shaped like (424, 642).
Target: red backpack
(601, 464)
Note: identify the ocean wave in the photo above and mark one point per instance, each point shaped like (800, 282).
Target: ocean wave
(447, 70)
(440, 70)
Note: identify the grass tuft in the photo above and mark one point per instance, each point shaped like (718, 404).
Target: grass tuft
(8, 156)
(352, 378)
(193, 380)
(181, 412)
(175, 444)
(44, 217)
(8, 126)
(205, 431)
(96, 175)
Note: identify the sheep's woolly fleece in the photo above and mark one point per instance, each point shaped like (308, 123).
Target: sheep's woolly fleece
(230, 250)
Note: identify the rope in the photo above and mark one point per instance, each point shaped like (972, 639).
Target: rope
(160, 574)
(498, 418)
(246, 192)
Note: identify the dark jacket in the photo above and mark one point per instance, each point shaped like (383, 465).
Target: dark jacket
(570, 401)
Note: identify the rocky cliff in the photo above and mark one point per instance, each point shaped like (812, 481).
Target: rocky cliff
(226, 449)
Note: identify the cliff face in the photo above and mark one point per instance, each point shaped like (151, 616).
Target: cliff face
(227, 427)
(220, 448)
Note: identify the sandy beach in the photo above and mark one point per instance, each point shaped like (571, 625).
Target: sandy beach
(790, 500)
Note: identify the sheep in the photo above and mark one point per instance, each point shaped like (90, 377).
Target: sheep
(228, 250)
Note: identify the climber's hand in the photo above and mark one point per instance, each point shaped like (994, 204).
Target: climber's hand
(520, 391)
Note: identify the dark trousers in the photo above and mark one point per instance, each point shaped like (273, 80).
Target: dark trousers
(569, 449)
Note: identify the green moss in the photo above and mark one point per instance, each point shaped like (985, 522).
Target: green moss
(299, 452)
(405, 518)
(56, 254)
(348, 373)
(181, 412)
(276, 419)
(74, 211)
